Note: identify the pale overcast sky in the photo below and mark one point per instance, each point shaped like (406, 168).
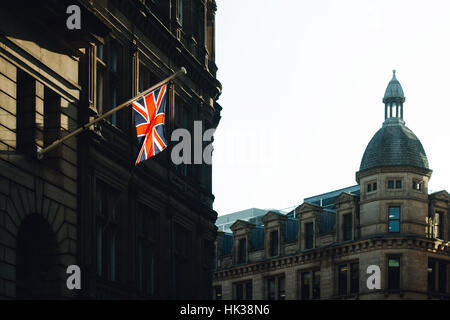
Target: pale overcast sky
(303, 82)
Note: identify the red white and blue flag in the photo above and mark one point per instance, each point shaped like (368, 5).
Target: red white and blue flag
(149, 120)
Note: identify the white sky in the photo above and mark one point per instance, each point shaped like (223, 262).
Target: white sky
(303, 82)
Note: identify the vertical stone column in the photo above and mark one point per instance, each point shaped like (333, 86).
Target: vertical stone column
(291, 284)
(258, 287)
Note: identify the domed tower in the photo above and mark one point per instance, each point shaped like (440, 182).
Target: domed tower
(394, 174)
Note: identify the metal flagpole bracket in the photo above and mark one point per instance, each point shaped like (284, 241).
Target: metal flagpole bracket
(41, 152)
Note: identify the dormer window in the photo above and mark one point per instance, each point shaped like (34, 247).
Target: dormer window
(309, 235)
(273, 243)
(242, 250)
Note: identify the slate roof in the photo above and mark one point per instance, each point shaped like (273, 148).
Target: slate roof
(394, 145)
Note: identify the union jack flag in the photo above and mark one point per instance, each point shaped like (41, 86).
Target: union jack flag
(149, 120)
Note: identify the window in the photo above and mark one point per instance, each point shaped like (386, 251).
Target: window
(309, 284)
(147, 231)
(394, 219)
(316, 284)
(395, 183)
(144, 78)
(417, 185)
(273, 243)
(181, 266)
(218, 293)
(437, 276)
(109, 75)
(239, 291)
(281, 288)
(390, 184)
(271, 289)
(347, 226)
(309, 235)
(354, 278)
(371, 186)
(438, 222)
(52, 116)
(348, 279)
(180, 12)
(242, 250)
(393, 273)
(275, 288)
(107, 229)
(342, 279)
(305, 285)
(26, 113)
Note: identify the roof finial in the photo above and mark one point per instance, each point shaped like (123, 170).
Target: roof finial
(393, 73)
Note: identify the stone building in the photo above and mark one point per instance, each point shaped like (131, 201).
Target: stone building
(326, 250)
(134, 232)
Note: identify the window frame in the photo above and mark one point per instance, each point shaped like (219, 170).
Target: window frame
(344, 280)
(312, 291)
(389, 275)
(389, 220)
(309, 238)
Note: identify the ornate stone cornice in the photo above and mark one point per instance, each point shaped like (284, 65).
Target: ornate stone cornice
(334, 251)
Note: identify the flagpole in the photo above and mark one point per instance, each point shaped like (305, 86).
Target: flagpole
(110, 112)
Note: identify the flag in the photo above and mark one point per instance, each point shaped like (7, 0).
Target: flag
(149, 121)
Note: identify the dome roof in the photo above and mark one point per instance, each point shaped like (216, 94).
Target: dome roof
(394, 90)
(394, 145)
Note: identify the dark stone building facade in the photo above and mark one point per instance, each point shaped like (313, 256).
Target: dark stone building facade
(330, 246)
(135, 232)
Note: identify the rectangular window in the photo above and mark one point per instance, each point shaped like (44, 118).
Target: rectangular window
(369, 187)
(107, 228)
(374, 187)
(305, 285)
(180, 11)
(398, 184)
(342, 279)
(239, 287)
(271, 289)
(437, 276)
(394, 273)
(26, 113)
(316, 284)
(310, 284)
(52, 116)
(281, 288)
(442, 281)
(354, 278)
(394, 219)
(218, 293)
(347, 226)
(242, 250)
(182, 261)
(438, 221)
(276, 288)
(273, 243)
(249, 290)
(309, 235)
(390, 184)
(417, 185)
(147, 232)
(109, 79)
